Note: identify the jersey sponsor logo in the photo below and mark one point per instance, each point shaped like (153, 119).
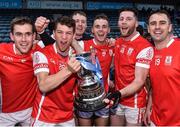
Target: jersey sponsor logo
(8, 58)
(168, 60)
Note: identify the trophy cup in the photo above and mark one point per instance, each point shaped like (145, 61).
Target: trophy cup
(91, 93)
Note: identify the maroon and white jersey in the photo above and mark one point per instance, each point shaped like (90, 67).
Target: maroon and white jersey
(104, 54)
(130, 54)
(55, 106)
(18, 83)
(165, 80)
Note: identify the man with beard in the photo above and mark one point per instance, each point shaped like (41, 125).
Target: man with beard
(132, 59)
(55, 73)
(164, 73)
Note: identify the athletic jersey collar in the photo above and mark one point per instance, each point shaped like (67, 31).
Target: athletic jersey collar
(169, 43)
(14, 49)
(135, 36)
(15, 52)
(55, 49)
(54, 46)
(94, 42)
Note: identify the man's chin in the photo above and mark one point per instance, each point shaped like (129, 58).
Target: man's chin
(124, 35)
(63, 49)
(79, 33)
(24, 51)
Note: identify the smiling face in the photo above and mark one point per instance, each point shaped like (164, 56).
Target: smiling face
(159, 27)
(23, 38)
(81, 24)
(127, 23)
(100, 30)
(63, 36)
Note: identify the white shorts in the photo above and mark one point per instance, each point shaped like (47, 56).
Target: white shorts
(37, 123)
(132, 115)
(10, 119)
(152, 124)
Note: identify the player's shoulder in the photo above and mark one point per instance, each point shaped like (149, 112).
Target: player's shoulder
(142, 42)
(176, 43)
(6, 46)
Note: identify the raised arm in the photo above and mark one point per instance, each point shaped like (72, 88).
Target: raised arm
(41, 24)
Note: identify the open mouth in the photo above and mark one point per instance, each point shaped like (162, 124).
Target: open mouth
(158, 33)
(124, 29)
(79, 28)
(63, 42)
(24, 45)
(100, 35)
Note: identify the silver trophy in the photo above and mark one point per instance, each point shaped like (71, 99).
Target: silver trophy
(91, 91)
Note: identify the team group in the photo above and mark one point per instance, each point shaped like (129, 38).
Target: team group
(38, 78)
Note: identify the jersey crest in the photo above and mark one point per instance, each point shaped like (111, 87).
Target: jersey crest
(168, 60)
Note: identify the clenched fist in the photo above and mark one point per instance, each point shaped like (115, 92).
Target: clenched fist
(41, 24)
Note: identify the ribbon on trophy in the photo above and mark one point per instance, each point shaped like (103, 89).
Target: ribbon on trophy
(95, 68)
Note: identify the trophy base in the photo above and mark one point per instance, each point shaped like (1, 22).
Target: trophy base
(90, 98)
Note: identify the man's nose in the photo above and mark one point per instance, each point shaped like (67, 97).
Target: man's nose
(23, 37)
(64, 36)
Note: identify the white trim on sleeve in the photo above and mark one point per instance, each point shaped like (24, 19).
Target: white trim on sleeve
(143, 65)
(41, 70)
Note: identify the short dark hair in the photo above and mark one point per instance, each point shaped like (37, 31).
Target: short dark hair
(101, 16)
(80, 13)
(21, 21)
(65, 20)
(159, 12)
(135, 11)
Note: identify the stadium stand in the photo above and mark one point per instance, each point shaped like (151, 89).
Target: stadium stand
(6, 16)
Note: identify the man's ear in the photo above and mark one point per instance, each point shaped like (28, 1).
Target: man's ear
(137, 24)
(148, 28)
(11, 36)
(92, 30)
(109, 30)
(170, 28)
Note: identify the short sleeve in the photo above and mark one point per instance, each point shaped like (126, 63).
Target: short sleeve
(40, 62)
(144, 57)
